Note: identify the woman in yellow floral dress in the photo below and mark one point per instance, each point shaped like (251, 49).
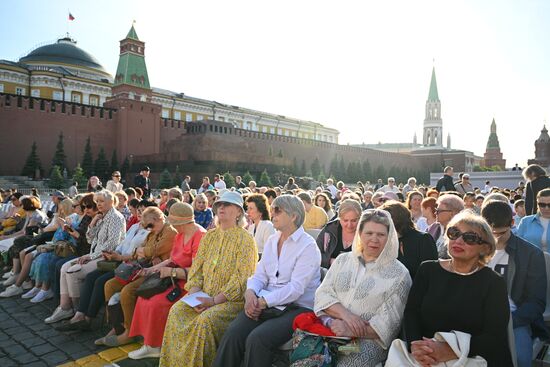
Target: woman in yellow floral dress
(226, 258)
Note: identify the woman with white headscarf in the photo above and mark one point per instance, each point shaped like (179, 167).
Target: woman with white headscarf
(364, 292)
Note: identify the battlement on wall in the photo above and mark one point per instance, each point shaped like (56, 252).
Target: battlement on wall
(50, 106)
(208, 127)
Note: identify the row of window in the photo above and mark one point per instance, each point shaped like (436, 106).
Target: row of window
(56, 94)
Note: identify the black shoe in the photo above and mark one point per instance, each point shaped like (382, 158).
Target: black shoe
(82, 325)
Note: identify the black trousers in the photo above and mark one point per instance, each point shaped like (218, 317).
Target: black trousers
(255, 341)
(21, 243)
(92, 295)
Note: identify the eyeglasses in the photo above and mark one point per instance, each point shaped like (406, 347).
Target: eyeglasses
(76, 206)
(543, 205)
(470, 238)
(115, 176)
(149, 226)
(437, 211)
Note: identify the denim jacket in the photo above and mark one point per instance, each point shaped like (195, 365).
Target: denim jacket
(530, 229)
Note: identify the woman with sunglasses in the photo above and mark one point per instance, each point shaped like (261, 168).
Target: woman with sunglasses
(114, 184)
(156, 249)
(534, 228)
(105, 232)
(226, 258)
(364, 292)
(460, 294)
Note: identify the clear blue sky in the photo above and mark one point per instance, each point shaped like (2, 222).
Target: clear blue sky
(362, 67)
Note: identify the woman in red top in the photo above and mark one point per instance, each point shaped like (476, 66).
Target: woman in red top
(150, 314)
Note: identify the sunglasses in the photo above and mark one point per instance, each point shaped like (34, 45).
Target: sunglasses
(543, 205)
(471, 238)
(116, 176)
(89, 206)
(437, 211)
(276, 210)
(150, 226)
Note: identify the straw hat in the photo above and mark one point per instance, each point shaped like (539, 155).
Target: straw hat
(181, 213)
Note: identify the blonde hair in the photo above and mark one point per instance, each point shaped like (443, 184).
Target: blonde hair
(479, 224)
(65, 208)
(153, 213)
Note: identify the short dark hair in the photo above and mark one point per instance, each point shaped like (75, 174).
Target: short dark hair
(16, 195)
(497, 213)
(130, 191)
(519, 202)
(271, 193)
(30, 203)
(133, 203)
(139, 191)
(541, 194)
(146, 203)
(87, 200)
(400, 215)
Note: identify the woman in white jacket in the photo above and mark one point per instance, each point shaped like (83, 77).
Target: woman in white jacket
(258, 212)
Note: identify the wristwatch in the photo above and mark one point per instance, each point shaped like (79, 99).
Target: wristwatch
(262, 301)
(174, 273)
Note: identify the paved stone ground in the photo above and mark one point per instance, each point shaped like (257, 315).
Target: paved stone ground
(25, 340)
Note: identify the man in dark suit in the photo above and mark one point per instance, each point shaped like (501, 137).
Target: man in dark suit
(143, 182)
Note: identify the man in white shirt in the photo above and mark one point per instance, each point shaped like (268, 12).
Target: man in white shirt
(330, 187)
(390, 186)
(219, 183)
(282, 287)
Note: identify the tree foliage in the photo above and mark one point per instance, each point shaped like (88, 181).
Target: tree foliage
(247, 177)
(32, 163)
(60, 158)
(165, 179)
(229, 179)
(178, 177)
(88, 159)
(56, 179)
(79, 176)
(101, 166)
(265, 180)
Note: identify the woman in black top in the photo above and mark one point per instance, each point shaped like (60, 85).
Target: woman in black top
(537, 180)
(414, 246)
(337, 235)
(460, 294)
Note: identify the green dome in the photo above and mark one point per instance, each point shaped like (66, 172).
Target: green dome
(63, 51)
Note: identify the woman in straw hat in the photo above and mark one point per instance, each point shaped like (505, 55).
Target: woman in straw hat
(150, 314)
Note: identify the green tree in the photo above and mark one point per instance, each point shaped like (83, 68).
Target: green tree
(303, 170)
(366, 171)
(350, 174)
(333, 169)
(178, 177)
(315, 168)
(125, 167)
(265, 180)
(79, 176)
(32, 163)
(280, 154)
(165, 179)
(322, 178)
(59, 158)
(88, 159)
(114, 162)
(270, 151)
(380, 172)
(101, 166)
(229, 179)
(247, 177)
(341, 173)
(295, 167)
(56, 179)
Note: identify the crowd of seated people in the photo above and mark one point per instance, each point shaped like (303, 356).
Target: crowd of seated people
(378, 266)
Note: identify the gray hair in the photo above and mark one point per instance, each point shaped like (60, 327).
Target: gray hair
(453, 202)
(176, 192)
(349, 205)
(305, 196)
(292, 206)
(106, 195)
(411, 180)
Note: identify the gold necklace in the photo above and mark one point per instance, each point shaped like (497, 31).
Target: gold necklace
(460, 273)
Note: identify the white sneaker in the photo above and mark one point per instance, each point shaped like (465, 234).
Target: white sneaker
(7, 275)
(11, 291)
(30, 294)
(58, 315)
(42, 296)
(145, 352)
(27, 285)
(11, 280)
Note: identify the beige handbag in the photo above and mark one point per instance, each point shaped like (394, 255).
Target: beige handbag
(399, 356)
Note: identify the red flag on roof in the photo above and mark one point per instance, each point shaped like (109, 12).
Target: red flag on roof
(71, 16)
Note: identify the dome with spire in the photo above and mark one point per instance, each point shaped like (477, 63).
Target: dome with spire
(64, 52)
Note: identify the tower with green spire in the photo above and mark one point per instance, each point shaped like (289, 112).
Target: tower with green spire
(131, 78)
(493, 155)
(433, 124)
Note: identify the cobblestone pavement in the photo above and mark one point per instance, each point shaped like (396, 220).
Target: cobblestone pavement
(25, 340)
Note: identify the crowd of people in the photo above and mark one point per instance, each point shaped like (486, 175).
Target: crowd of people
(373, 266)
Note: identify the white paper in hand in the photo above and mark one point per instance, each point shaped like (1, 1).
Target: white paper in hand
(191, 299)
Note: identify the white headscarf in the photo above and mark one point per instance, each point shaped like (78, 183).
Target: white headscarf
(391, 248)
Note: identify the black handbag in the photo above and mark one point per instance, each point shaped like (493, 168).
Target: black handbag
(127, 272)
(107, 265)
(153, 284)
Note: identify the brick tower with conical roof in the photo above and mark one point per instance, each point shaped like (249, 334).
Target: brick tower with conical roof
(493, 155)
(138, 119)
(433, 124)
